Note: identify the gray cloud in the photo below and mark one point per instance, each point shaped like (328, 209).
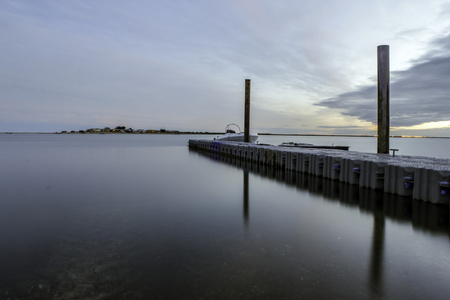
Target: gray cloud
(418, 95)
(78, 64)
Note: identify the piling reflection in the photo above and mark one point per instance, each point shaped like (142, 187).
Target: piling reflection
(434, 219)
(246, 200)
(376, 260)
(421, 215)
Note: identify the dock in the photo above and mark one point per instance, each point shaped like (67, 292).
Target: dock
(422, 178)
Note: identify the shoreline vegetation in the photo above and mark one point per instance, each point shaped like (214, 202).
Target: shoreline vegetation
(125, 130)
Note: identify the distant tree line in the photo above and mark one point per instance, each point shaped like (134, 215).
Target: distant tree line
(124, 129)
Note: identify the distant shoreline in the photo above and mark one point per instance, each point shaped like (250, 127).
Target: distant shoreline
(220, 133)
(119, 133)
(356, 135)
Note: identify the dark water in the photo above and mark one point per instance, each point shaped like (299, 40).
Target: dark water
(143, 217)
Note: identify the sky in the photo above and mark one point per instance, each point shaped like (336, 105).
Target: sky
(182, 65)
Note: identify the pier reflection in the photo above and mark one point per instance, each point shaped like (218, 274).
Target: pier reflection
(421, 216)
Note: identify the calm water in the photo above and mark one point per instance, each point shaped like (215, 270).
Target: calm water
(143, 217)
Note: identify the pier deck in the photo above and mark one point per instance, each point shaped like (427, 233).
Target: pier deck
(422, 178)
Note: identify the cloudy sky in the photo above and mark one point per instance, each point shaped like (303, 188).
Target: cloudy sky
(182, 65)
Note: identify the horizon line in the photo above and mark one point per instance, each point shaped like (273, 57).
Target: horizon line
(259, 133)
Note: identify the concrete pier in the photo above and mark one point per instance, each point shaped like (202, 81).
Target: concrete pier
(422, 178)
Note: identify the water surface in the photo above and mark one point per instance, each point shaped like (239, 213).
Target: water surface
(143, 217)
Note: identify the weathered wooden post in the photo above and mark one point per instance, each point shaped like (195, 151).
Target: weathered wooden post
(247, 112)
(383, 99)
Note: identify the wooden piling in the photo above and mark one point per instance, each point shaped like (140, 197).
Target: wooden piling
(247, 112)
(383, 99)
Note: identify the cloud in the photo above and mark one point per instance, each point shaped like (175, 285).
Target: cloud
(418, 95)
(182, 65)
(143, 77)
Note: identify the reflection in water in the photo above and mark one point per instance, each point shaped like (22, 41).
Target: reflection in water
(421, 215)
(127, 221)
(246, 201)
(376, 261)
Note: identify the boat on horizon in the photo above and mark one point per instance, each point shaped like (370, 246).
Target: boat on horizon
(306, 145)
(233, 136)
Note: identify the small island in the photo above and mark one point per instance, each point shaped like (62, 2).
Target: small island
(129, 130)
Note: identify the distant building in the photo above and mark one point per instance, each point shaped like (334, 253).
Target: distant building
(94, 130)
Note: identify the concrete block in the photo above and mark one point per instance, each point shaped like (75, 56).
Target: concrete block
(432, 185)
(372, 174)
(280, 159)
(288, 160)
(296, 160)
(316, 165)
(399, 179)
(350, 170)
(332, 167)
(304, 163)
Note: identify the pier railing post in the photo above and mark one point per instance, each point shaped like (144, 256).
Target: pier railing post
(247, 112)
(383, 99)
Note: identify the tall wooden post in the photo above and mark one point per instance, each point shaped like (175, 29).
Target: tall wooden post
(247, 112)
(383, 99)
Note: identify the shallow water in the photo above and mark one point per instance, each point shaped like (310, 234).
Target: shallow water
(143, 217)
